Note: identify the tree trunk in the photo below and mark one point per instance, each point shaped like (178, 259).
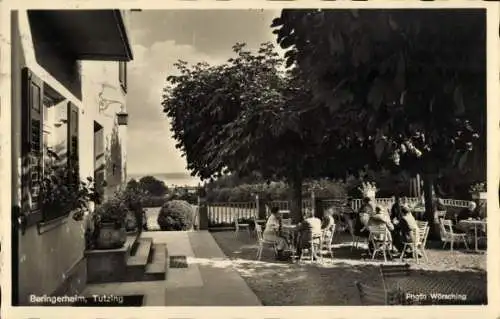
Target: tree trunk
(429, 207)
(296, 200)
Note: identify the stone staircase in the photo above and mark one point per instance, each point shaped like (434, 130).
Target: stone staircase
(138, 260)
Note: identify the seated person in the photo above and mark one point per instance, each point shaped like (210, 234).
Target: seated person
(362, 218)
(380, 218)
(481, 210)
(469, 212)
(327, 222)
(272, 231)
(396, 208)
(396, 215)
(439, 204)
(309, 232)
(409, 228)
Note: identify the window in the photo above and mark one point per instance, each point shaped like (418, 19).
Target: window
(122, 74)
(32, 141)
(49, 146)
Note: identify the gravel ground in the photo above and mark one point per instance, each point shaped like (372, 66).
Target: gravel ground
(332, 283)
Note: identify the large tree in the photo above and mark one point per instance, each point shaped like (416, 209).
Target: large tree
(409, 85)
(150, 185)
(243, 117)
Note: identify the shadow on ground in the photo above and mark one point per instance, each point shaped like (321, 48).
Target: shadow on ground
(279, 283)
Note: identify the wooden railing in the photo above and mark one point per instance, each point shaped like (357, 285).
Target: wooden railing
(226, 213)
(285, 205)
(456, 202)
(412, 201)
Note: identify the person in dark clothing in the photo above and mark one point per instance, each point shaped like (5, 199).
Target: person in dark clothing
(397, 233)
(439, 205)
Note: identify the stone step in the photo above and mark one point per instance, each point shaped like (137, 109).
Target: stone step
(157, 269)
(136, 264)
(141, 256)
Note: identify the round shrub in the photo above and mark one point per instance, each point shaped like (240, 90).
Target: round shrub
(175, 215)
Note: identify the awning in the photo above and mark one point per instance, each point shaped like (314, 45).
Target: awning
(87, 34)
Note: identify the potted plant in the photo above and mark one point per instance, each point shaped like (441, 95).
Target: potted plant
(110, 224)
(133, 199)
(368, 189)
(62, 192)
(478, 191)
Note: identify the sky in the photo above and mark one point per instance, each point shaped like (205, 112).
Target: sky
(160, 38)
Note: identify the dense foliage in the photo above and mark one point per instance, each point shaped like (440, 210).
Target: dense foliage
(366, 89)
(152, 186)
(240, 117)
(62, 191)
(113, 210)
(175, 215)
(400, 84)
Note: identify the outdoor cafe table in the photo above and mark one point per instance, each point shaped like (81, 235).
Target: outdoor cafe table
(429, 289)
(469, 223)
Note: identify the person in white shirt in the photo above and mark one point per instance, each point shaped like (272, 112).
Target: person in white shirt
(309, 232)
(273, 229)
(409, 228)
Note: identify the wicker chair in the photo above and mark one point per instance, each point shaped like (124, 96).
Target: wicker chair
(262, 242)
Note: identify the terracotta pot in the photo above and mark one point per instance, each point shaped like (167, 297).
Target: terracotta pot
(480, 195)
(110, 237)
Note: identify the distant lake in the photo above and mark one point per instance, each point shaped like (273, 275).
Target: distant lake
(177, 179)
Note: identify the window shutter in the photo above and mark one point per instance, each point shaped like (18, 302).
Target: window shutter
(73, 155)
(32, 139)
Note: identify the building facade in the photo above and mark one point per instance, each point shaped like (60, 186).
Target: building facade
(68, 99)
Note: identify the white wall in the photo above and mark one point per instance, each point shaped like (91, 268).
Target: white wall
(45, 258)
(102, 77)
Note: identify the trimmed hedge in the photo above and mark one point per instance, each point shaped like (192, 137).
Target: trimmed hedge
(176, 215)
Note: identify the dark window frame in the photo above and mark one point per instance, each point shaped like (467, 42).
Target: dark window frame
(32, 145)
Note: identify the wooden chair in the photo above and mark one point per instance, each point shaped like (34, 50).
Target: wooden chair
(326, 241)
(419, 240)
(350, 227)
(380, 239)
(448, 236)
(372, 296)
(262, 242)
(440, 214)
(393, 271)
(312, 246)
(238, 226)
